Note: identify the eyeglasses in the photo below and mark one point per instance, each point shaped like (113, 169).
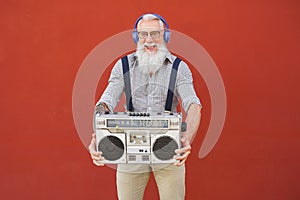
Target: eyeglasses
(145, 34)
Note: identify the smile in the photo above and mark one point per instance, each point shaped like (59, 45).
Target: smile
(150, 47)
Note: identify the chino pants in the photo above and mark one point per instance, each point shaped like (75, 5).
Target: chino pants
(132, 181)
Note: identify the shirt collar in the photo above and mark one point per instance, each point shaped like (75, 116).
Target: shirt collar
(169, 57)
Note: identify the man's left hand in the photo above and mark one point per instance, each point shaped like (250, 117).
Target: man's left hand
(184, 152)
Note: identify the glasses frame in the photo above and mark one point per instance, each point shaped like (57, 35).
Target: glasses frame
(151, 34)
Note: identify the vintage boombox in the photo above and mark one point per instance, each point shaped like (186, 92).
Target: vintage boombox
(141, 138)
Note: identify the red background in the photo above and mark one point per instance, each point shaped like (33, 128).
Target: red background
(255, 45)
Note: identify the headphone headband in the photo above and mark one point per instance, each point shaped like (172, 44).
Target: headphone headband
(156, 15)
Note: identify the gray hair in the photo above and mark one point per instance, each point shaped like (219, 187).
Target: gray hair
(149, 17)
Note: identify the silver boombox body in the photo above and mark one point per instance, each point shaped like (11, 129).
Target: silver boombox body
(140, 138)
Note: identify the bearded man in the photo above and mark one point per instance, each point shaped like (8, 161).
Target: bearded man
(150, 70)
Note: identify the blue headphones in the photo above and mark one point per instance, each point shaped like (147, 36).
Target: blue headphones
(166, 33)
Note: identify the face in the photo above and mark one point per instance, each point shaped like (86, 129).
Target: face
(150, 34)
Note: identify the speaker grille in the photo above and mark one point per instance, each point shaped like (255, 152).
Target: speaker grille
(112, 148)
(131, 158)
(164, 148)
(145, 158)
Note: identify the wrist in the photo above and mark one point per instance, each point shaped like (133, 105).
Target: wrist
(101, 108)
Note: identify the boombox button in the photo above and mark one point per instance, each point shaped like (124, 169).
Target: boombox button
(139, 114)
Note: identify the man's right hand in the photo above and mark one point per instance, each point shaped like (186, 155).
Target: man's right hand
(96, 156)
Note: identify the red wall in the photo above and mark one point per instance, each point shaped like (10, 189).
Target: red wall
(255, 45)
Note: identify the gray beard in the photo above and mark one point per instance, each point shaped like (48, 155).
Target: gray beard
(149, 63)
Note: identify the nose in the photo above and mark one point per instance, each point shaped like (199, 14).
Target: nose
(149, 38)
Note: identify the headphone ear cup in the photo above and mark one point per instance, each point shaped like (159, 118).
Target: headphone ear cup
(135, 36)
(167, 34)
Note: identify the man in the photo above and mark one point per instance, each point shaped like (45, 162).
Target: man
(150, 69)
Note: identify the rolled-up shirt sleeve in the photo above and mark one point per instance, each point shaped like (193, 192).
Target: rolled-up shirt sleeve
(185, 87)
(113, 91)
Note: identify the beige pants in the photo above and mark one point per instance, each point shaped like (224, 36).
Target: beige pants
(132, 181)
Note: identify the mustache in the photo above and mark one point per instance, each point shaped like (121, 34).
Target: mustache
(145, 45)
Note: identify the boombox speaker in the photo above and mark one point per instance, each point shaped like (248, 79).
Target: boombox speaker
(112, 146)
(163, 147)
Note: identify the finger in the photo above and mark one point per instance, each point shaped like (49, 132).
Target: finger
(98, 163)
(96, 155)
(182, 159)
(183, 150)
(98, 158)
(180, 163)
(183, 156)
